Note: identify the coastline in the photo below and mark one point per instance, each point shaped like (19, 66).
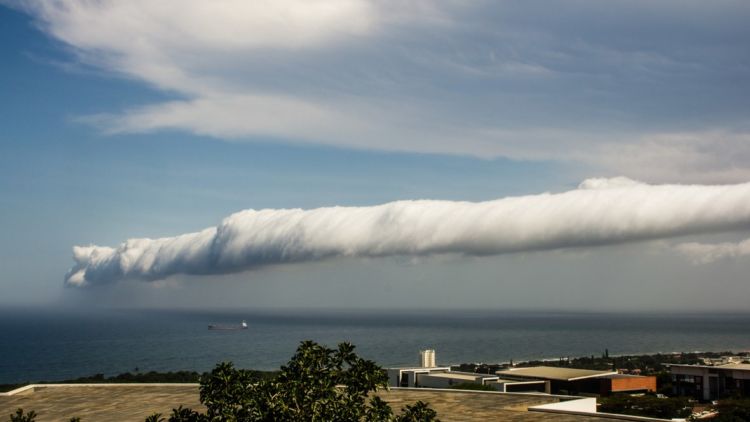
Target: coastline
(579, 362)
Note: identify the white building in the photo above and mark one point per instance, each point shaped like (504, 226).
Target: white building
(427, 358)
(710, 382)
(443, 377)
(429, 375)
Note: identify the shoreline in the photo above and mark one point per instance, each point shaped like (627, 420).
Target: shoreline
(193, 376)
(626, 355)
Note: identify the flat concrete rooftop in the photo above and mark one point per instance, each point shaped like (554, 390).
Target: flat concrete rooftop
(623, 376)
(117, 403)
(477, 406)
(135, 402)
(553, 373)
(460, 375)
(732, 366)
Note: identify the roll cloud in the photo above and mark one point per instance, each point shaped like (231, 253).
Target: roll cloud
(597, 212)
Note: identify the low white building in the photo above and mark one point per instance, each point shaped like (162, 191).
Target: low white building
(430, 375)
(448, 379)
(407, 377)
(443, 377)
(711, 382)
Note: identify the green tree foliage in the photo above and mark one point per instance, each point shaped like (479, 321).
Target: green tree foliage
(664, 383)
(318, 384)
(648, 405)
(417, 412)
(19, 416)
(733, 410)
(156, 417)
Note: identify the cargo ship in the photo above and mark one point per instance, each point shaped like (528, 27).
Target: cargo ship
(241, 326)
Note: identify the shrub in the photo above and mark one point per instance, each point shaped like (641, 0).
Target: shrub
(318, 384)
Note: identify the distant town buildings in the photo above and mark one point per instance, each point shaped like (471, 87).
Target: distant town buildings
(545, 379)
(722, 360)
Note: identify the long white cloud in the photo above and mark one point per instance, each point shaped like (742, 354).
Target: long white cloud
(598, 212)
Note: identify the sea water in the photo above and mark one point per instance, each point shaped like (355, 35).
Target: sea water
(56, 345)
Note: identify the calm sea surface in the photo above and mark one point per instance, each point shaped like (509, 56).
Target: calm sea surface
(61, 345)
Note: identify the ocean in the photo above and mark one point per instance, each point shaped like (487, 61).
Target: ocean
(55, 345)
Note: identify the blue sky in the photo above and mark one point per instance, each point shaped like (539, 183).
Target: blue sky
(119, 124)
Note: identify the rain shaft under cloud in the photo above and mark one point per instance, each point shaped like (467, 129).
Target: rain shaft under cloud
(598, 212)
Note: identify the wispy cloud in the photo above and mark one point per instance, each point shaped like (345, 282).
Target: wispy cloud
(598, 212)
(706, 253)
(716, 156)
(655, 91)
